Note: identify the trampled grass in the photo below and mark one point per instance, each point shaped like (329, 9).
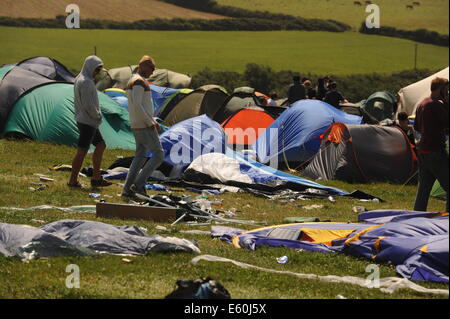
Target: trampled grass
(431, 14)
(190, 52)
(154, 275)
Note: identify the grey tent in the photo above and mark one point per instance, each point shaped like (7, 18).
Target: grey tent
(363, 153)
(118, 78)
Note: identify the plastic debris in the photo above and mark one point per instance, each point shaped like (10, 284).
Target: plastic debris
(282, 259)
(375, 200)
(340, 297)
(160, 227)
(39, 221)
(331, 199)
(126, 260)
(94, 195)
(359, 209)
(315, 206)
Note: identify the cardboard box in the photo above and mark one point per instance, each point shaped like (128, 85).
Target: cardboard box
(127, 211)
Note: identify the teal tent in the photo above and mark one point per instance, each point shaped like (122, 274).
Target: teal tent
(46, 113)
(381, 105)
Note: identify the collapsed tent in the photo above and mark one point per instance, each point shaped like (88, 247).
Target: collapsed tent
(295, 136)
(84, 238)
(244, 127)
(18, 79)
(380, 105)
(362, 154)
(234, 169)
(118, 78)
(413, 94)
(46, 113)
(415, 242)
(204, 100)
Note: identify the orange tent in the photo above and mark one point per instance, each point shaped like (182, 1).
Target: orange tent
(244, 126)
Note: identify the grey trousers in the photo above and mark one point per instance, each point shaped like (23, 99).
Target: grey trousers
(431, 167)
(147, 140)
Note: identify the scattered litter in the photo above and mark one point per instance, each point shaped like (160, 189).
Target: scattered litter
(375, 200)
(229, 214)
(156, 187)
(202, 288)
(315, 206)
(292, 220)
(94, 195)
(61, 167)
(158, 227)
(316, 191)
(126, 260)
(340, 297)
(331, 199)
(39, 187)
(282, 259)
(359, 209)
(46, 179)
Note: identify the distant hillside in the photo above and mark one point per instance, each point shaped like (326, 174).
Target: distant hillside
(117, 10)
(429, 14)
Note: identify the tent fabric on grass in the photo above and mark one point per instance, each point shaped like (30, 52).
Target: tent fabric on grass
(47, 114)
(244, 127)
(84, 238)
(362, 154)
(415, 242)
(295, 136)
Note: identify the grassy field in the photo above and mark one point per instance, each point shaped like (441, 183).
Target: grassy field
(116, 10)
(154, 275)
(189, 52)
(431, 14)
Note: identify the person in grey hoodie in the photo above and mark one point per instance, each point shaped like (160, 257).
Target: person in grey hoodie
(88, 117)
(145, 130)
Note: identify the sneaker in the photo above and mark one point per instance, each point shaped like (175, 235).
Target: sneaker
(100, 183)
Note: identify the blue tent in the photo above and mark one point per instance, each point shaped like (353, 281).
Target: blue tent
(295, 136)
(417, 243)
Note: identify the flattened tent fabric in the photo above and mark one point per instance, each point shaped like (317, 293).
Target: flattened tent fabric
(84, 238)
(47, 114)
(415, 242)
(413, 94)
(362, 154)
(119, 77)
(234, 169)
(380, 105)
(244, 127)
(26, 75)
(295, 136)
(204, 100)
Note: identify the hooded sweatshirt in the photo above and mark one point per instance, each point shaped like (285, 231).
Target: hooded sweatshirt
(87, 108)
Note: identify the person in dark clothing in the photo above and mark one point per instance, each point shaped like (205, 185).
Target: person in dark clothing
(432, 123)
(310, 91)
(296, 91)
(333, 97)
(403, 123)
(321, 89)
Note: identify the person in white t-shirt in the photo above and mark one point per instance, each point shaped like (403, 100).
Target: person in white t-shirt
(145, 129)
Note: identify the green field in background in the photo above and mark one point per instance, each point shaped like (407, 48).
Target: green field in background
(192, 51)
(431, 14)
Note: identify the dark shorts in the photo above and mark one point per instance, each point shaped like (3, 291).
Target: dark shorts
(88, 135)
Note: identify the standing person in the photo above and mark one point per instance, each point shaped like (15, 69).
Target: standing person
(273, 98)
(432, 123)
(88, 117)
(145, 129)
(333, 96)
(296, 91)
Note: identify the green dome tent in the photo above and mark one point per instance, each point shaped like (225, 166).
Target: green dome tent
(381, 105)
(46, 113)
